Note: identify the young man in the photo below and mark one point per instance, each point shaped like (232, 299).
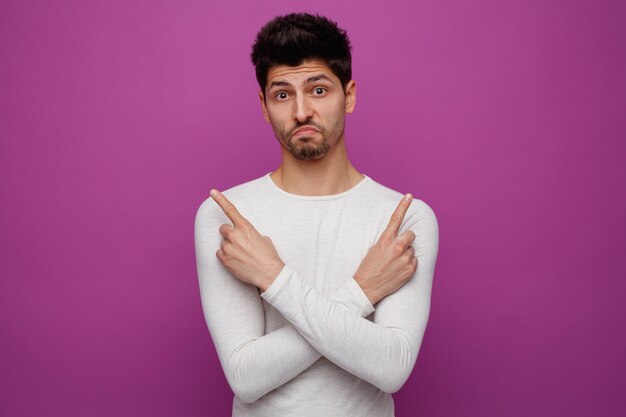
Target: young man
(309, 275)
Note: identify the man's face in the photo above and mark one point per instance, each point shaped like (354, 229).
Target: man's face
(306, 106)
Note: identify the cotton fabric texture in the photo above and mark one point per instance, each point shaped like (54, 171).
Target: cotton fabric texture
(312, 344)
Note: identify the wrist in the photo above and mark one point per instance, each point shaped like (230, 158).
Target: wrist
(369, 292)
(270, 277)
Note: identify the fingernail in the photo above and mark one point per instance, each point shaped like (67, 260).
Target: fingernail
(408, 197)
(213, 192)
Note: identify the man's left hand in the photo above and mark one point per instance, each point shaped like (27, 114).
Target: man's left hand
(249, 256)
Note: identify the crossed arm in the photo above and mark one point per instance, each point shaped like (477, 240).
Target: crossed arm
(382, 352)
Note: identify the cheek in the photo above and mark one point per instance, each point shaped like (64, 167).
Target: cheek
(333, 109)
(279, 126)
(278, 115)
(333, 116)
(274, 117)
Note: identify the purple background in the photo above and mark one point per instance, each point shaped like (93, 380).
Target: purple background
(507, 118)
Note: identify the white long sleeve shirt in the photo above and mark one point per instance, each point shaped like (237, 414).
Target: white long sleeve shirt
(312, 344)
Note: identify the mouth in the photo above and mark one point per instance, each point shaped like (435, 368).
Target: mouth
(305, 130)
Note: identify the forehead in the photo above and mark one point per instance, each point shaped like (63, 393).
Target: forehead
(298, 74)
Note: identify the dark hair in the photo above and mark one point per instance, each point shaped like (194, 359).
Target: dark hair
(296, 37)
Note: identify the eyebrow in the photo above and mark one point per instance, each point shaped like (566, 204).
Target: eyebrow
(309, 80)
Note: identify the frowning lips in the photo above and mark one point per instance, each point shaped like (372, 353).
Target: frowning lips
(305, 129)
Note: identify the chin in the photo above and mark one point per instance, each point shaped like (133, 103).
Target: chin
(309, 154)
(308, 157)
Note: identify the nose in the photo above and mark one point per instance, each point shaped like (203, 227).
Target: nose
(303, 110)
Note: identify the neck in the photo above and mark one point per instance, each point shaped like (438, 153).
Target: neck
(332, 174)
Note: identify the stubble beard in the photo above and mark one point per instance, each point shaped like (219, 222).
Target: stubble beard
(304, 148)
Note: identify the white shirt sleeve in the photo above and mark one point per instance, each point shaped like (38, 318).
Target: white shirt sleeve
(254, 363)
(382, 352)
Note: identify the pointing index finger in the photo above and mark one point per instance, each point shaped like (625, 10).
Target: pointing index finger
(398, 215)
(228, 208)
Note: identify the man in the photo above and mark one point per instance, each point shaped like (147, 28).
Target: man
(309, 275)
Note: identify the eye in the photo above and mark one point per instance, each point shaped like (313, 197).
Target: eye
(281, 95)
(319, 91)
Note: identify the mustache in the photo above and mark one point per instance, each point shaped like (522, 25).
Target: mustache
(307, 123)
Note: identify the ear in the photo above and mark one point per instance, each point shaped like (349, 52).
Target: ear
(263, 106)
(350, 96)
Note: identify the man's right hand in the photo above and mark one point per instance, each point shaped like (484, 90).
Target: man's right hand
(391, 262)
